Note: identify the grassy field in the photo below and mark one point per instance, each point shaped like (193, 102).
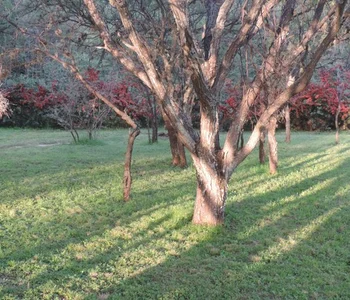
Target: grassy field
(65, 232)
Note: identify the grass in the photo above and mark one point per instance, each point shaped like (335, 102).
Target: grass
(65, 232)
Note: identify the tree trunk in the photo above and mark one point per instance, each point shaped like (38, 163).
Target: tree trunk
(149, 131)
(152, 124)
(337, 124)
(273, 157)
(154, 129)
(211, 195)
(182, 154)
(287, 117)
(154, 121)
(75, 135)
(262, 154)
(176, 147)
(127, 166)
(240, 142)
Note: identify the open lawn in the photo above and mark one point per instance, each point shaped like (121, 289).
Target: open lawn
(65, 232)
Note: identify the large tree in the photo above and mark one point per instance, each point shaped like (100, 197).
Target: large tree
(183, 51)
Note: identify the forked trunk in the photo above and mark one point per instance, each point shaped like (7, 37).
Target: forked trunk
(127, 166)
(273, 155)
(262, 154)
(287, 117)
(211, 195)
(75, 135)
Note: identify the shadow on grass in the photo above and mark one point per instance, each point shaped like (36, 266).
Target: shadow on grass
(37, 178)
(288, 242)
(301, 253)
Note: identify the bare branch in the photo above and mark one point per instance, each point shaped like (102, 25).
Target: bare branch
(293, 89)
(246, 32)
(127, 62)
(74, 70)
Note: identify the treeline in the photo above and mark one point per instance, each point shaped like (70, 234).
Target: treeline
(72, 107)
(69, 105)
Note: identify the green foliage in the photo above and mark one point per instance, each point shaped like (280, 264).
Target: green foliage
(65, 232)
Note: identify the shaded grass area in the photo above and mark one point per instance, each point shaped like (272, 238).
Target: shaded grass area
(65, 232)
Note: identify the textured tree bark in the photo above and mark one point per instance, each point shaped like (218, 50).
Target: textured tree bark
(287, 117)
(211, 195)
(208, 77)
(211, 180)
(182, 154)
(262, 153)
(127, 166)
(273, 154)
(176, 147)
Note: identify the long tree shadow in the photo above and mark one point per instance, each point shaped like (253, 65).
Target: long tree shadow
(34, 228)
(224, 264)
(90, 218)
(278, 260)
(51, 175)
(269, 247)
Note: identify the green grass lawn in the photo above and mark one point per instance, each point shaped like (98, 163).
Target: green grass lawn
(65, 232)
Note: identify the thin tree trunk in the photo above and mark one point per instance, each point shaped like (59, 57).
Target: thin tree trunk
(127, 166)
(262, 153)
(154, 132)
(287, 117)
(153, 120)
(149, 131)
(211, 195)
(240, 141)
(154, 126)
(273, 154)
(74, 138)
(77, 135)
(337, 124)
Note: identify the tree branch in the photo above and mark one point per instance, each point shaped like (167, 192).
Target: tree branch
(246, 32)
(126, 61)
(298, 86)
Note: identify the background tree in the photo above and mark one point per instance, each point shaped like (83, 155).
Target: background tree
(160, 43)
(214, 165)
(4, 104)
(317, 107)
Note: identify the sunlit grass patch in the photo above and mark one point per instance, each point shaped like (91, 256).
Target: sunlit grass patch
(65, 232)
